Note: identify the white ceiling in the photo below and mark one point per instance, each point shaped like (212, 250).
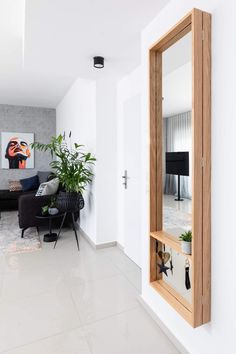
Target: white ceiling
(47, 44)
(177, 80)
(177, 91)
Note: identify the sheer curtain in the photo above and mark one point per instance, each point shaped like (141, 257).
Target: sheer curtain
(177, 135)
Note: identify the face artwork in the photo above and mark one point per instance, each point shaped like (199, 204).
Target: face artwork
(17, 153)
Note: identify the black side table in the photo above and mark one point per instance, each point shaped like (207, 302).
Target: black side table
(73, 225)
(52, 236)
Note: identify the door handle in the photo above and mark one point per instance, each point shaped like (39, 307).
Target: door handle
(125, 177)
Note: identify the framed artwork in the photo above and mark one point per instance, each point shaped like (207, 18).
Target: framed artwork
(16, 152)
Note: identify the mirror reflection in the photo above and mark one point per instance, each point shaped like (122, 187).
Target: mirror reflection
(177, 137)
(177, 158)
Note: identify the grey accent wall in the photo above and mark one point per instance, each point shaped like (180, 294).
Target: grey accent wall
(21, 119)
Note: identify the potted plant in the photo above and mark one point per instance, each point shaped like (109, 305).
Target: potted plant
(186, 242)
(73, 167)
(52, 209)
(44, 210)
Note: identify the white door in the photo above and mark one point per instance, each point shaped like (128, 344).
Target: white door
(132, 166)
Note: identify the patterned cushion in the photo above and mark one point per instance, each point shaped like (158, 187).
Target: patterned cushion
(48, 188)
(14, 186)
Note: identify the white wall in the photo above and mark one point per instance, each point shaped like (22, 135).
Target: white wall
(77, 113)
(219, 335)
(89, 111)
(127, 88)
(106, 166)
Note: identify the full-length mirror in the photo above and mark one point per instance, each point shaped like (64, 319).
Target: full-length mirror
(177, 156)
(180, 167)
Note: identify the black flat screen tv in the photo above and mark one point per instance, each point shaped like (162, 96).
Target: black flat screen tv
(177, 163)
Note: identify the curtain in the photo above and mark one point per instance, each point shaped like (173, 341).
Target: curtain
(177, 134)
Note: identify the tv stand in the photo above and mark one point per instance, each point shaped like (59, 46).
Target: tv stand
(179, 199)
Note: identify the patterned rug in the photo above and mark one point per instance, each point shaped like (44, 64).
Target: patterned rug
(10, 235)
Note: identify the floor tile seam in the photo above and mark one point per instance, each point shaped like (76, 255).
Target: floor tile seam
(98, 280)
(105, 262)
(14, 300)
(40, 266)
(127, 258)
(117, 267)
(1, 286)
(90, 323)
(121, 268)
(73, 328)
(135, 287)
(51, 288)
(86, 281)
(76, 309)
(82, 325)
(103, 318)
(124, 274)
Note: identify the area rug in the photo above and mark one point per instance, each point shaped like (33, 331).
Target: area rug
(10, 235)
(173, 219)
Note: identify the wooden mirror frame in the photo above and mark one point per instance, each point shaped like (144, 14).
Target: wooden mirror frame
(198, 312)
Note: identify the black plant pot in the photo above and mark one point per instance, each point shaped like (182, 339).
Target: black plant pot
(70, 201)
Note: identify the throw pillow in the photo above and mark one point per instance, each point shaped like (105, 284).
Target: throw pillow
(30, 184)
(14, 186)
(51, 176)
(48, 188)
(43, 176)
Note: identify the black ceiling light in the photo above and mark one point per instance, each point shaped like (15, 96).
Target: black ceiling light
(98, 62)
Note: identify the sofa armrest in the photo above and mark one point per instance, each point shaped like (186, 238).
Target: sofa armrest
(28, 207)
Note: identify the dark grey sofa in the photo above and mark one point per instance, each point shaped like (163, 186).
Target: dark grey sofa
(30, 206)
(9, 200)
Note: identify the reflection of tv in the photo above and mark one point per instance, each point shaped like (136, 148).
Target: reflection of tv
(177, 163)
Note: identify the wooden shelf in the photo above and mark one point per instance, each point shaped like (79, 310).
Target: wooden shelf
(170, 241)
(174, 299)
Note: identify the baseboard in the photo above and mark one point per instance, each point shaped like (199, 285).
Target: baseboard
(120, 246)
(93, 244)
(106, 245)
(167, 332)
(87, 238)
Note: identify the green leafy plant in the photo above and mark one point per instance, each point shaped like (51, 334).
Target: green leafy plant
(186, 236)
(44, 210)
(72, 166)
(52, 202)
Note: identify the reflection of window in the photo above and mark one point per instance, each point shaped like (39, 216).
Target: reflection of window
(177, 134)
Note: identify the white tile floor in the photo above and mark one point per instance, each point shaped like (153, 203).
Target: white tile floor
(64, 302)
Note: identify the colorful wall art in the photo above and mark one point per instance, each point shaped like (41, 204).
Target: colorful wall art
(16, 150)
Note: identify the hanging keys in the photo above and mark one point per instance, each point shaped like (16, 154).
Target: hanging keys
(187, 278)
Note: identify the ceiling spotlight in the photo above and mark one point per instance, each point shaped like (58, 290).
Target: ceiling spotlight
(98, 62)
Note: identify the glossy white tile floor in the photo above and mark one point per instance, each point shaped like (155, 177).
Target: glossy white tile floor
(64, 302)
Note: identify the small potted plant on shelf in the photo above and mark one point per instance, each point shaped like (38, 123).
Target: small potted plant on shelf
(186, 242)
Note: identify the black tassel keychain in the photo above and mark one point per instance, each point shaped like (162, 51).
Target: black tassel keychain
(171, 262)
(187, 278)
(156, 247)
